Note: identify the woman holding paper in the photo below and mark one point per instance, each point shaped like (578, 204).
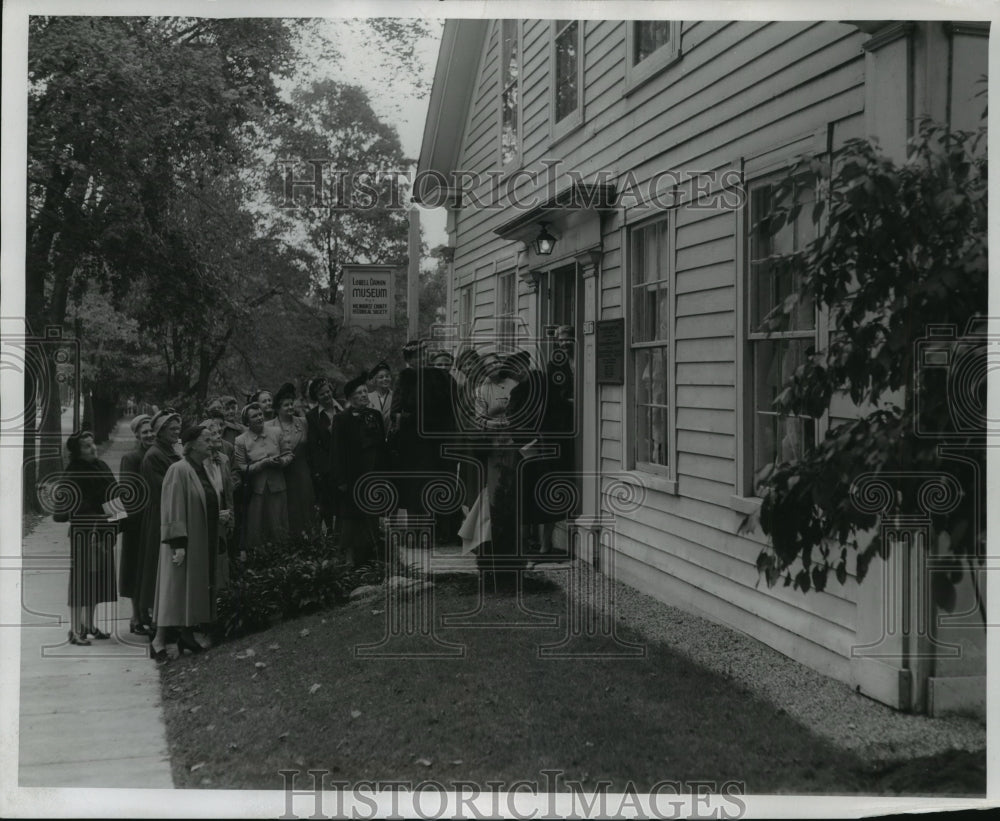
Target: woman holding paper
(89, 484)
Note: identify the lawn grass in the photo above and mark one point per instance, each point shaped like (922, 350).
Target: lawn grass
(501, 713)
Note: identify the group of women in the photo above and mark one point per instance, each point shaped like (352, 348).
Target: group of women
(204, 494)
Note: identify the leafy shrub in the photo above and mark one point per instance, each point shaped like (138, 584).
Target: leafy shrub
(302, 574)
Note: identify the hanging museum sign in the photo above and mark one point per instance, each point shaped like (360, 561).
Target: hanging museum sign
(369, 299)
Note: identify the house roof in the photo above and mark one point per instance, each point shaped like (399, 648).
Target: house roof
(451, 95)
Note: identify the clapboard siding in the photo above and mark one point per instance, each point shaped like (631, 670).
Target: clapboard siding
(706, 325)
(711, 373)
(740, 88)
(717, 397)
(707, 420)
(707, 566)
(705, 277)
(710, 301)
(708, 444)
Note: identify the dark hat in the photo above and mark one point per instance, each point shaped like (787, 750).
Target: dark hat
(354, 384)
(74, 441)
(286, 391)
(315, 385)
(381, 366)
(190, 433)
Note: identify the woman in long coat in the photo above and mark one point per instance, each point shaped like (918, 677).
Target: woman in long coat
(89, 483)
(131, 529)
(166, 425)
(358, 448)
(189, 532)
(293, 436)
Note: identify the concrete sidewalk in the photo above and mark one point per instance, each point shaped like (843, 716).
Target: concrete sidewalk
(89, 716)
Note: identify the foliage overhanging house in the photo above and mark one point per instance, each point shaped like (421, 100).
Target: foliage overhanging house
(578, 125)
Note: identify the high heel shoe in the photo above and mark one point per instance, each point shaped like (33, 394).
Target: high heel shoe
(97, 633)
(159, 656)
(137, 629)
(188, 642)
(79, 638)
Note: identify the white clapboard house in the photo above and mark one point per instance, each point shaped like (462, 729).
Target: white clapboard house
(578, 130)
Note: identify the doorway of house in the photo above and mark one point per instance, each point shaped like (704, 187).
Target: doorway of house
(561, 307)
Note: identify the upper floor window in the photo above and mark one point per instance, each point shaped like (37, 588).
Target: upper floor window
(510, 92)
(566, 85)
(651, 46)
(649, 270)
(774, 355)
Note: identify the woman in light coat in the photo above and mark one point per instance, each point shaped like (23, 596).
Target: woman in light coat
(189, 531)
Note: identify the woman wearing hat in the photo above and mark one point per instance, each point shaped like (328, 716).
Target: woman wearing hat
(92, 538)
(166, 428)
(358, 449)
(189, 531)
(259, 461)
(131, 528)
(380, 399)
(293, 436)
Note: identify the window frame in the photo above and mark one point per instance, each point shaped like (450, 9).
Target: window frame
(639, 73)
(664, 475)
(516, 160)
(766, 168)
(574, 120)
(466, 307)
(506, 286)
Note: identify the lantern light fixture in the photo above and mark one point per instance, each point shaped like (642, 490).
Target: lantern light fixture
(544, 243)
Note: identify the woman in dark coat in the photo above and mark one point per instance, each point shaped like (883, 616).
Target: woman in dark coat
(90, 483)
(161, 455)
(358, 448)
(129, 472)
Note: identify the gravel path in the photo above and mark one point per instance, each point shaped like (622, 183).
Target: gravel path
(826, 706)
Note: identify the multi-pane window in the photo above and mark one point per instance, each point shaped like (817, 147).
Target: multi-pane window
(650, 35)
(775, 354)
(566, 80)
(510, 97)
(651, 46)
(507, 310)
(651, 310)
(465, 313)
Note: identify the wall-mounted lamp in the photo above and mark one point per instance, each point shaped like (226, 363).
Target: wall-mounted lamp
(544, 243)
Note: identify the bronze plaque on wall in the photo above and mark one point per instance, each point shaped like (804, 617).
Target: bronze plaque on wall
(611, 352)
